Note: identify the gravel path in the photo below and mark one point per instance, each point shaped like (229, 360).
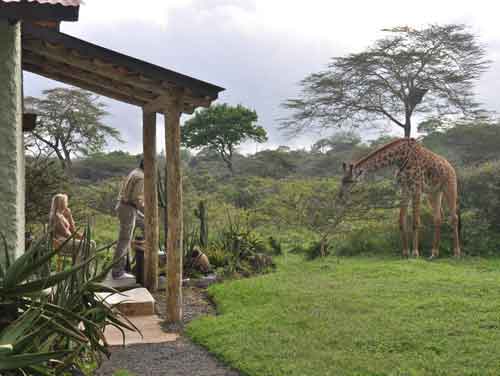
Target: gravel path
(179, 358)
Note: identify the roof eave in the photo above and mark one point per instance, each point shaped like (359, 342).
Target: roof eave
(202, 88)
(33, 11)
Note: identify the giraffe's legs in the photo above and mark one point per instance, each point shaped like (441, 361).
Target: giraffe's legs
(403, 223)
(416, 222)
(451, 200)
(435, 200)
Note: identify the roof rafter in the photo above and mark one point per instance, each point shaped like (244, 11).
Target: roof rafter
(53, 75)
(73, 61)
(86, 76)
(61, 55)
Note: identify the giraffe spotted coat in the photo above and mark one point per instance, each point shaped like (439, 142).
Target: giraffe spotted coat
(418, 171)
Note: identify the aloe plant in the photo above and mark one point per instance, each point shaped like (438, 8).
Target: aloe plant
(49, 321)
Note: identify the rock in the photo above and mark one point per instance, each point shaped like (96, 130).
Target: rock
(202, 282)
(260, 261)
(206, 281)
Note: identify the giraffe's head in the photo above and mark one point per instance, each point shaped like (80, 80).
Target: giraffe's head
(351, 176)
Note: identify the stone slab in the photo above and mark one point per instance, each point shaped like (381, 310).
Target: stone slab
(135, 302)
(150, 327)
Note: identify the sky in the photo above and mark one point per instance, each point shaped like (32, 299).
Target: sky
(260, 49)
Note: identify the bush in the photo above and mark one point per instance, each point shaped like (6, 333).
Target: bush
(480, 209)
(51, 322)
(317, 250)
(240, 250)
(369, 238)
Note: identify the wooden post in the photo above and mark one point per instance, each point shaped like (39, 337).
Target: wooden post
(174, 210)
(150, 201)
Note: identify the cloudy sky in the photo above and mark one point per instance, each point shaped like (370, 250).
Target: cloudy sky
(259, 49)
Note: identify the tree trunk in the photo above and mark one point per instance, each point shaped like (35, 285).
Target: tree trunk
(201, 213)
(68, 164)
(230, 166)
(407, 127)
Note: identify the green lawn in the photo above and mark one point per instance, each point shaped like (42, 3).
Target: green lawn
(359, 316)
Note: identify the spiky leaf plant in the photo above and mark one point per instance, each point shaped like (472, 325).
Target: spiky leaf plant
(50, 321)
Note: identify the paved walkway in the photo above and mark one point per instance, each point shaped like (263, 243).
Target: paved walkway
(175, 355)
(177, 358)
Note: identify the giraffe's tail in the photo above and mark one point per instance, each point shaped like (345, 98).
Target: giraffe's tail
(459, 211)
(459, 221)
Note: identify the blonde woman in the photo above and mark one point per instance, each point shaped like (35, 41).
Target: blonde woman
(62, 225)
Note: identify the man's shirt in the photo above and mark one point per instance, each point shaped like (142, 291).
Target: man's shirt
(132, 191)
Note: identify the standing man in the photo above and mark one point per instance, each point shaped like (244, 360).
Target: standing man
(130, 209)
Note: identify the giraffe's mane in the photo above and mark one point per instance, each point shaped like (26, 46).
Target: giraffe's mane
(381, 149)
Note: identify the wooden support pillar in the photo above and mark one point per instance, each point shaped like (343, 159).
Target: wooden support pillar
(174, 210)
(150, 201)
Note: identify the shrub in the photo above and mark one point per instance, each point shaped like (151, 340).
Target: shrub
(240, 250)
(275, 245)
(317, 250)
(50, 322)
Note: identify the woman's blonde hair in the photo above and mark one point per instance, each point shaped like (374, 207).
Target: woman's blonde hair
(59, 201)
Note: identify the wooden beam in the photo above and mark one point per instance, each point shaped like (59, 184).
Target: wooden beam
(86, 76)
(150, 201)
(83, 85)
(63, 55)
(107, 71)
(189, 104)
(67, 44)
(36, 11)
(160, 104)
(174, 210)
(29, 122)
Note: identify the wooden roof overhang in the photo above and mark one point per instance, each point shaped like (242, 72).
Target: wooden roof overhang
(58, 56)
(36, 10)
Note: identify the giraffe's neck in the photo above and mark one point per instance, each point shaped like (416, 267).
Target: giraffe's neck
(393, 154)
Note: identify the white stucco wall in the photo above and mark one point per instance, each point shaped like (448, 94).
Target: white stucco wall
(11, 140)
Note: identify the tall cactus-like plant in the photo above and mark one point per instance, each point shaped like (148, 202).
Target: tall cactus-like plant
(201, 214)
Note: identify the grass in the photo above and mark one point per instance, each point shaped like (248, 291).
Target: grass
(105, 229)
(359, 316)
(123, 372)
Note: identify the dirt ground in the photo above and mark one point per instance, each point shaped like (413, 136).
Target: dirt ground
(179, 358)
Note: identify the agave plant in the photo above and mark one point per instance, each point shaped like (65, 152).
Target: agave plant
(49, 321)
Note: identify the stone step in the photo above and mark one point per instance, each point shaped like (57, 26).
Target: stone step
(151, 331)
(135, 302)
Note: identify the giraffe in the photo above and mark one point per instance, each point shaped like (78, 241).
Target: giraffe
(419, 171)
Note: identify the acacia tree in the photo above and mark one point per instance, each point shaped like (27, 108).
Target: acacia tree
(222, 128)
(69, 123)
(429, 72)
(340, 141)
(44, 178)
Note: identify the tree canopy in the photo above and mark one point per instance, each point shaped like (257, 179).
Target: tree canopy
(69, 123)
(222, 128)
(430, 72)
(340, 141)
